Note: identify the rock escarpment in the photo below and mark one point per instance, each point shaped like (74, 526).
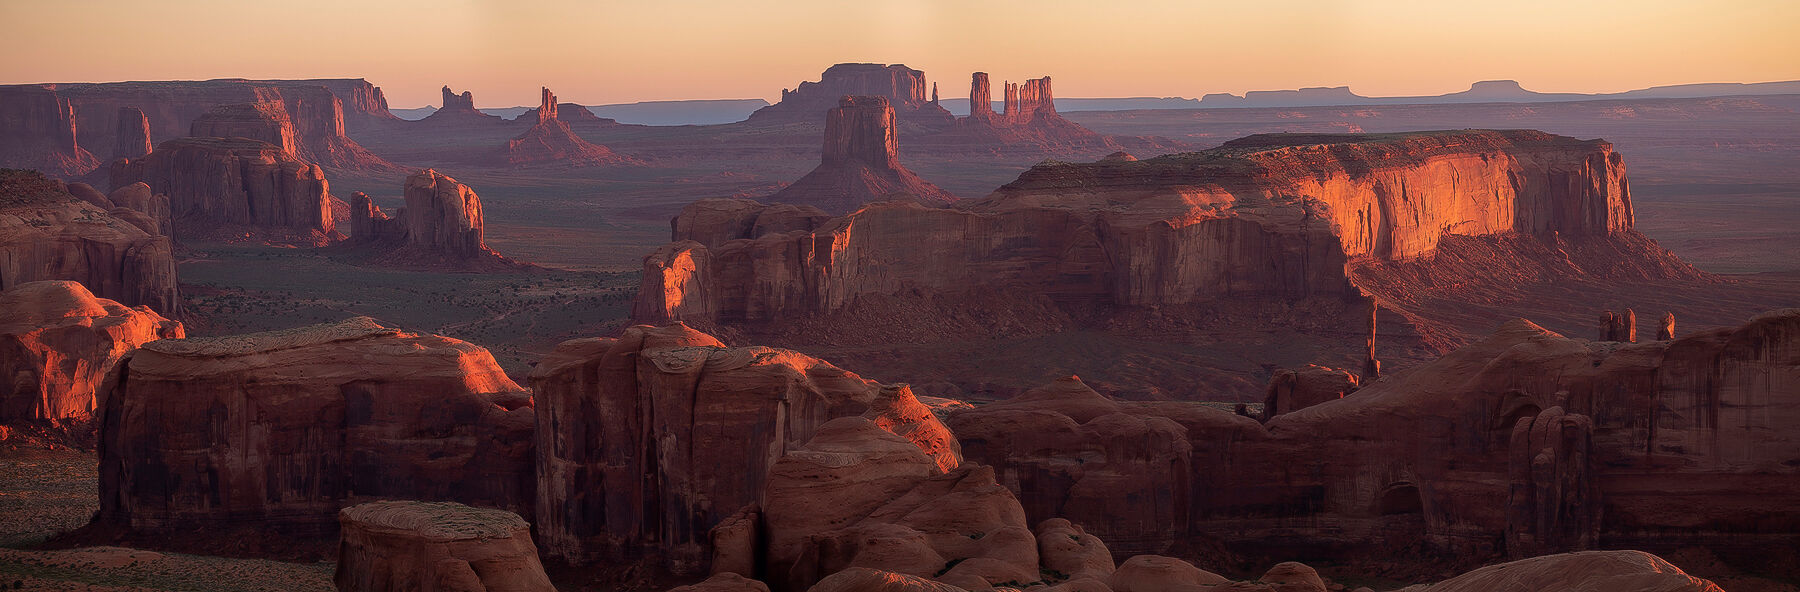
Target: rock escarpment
(58, 342)
(903, 87)
(1266, 217)
(229, 186)
(314, 107)
(549, 141)
(443, 546)
(37, 131)
(441, 227)
(133, 138)
(860, 162)
(655, 437)
(48, 234)
(337, 414)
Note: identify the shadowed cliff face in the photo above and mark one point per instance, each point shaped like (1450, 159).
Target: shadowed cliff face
(37, 131)
(213, 181)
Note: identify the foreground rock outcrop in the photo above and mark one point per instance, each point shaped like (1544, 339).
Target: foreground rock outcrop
(1590, 571)
(441, 227)
(221, 187)
(860, 163)
(396, 546)
(48, 234)
(339, 414)
(549, 141)
(903, 87)
(57, 344)
(37, 131)
(657, 436)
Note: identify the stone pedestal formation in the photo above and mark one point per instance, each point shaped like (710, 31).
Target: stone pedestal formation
(551, 142)
(860, 162)
(409, 546)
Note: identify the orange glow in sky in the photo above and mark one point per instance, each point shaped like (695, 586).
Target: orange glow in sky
(601, 52)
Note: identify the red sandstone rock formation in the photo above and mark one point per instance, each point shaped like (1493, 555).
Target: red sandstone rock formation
(396, 546)
(903, 87)
(1590, 571)
(1029, 118)
(1267, 216)
(1290, 390)
(267, 122)
(37, 131)
(550, 141)
(724, 582)
(663, 433)
(459, 109)
(337, 414)
(861, 162)
(57, 342)
(314, 107)
(441, 227)
(140, 198)
(226, 186)
(47, 234)
(571, 114)
(1554, 501)
(133, 137)
(859, 496)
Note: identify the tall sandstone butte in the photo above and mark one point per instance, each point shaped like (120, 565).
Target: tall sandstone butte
(226, 186)
(654, 437)
(903, 87)
(1272, 217)
(265, 121)
(58, 342)
(459, 109)
(338, 414)
(1028, 117)
(550, 141)
(48, 234)
(133, 138)
(314, 107)
(440, 227)
(860, 162)
(37, 131)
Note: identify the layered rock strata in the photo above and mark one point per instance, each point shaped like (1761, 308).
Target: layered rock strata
(657, 436)
(860, 162)
(267, 122)
(338, 414)
(48, 234)
(1274, 217)
(396, 546)
(133, 137)
(58, 342)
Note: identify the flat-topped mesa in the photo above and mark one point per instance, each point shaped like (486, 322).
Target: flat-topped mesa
(133, 138)
(227, 186)
(37, 131)
(903, 87)
(339, 413)
(266, 121)
(551, 142)
(1266, 217)
(171, 107)
(46, 233)
(384, 546)
(60, 341)
(860, 162)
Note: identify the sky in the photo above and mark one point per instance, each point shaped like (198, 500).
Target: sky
(602, 52)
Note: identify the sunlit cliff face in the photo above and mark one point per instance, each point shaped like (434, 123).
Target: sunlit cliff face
(596, 53)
